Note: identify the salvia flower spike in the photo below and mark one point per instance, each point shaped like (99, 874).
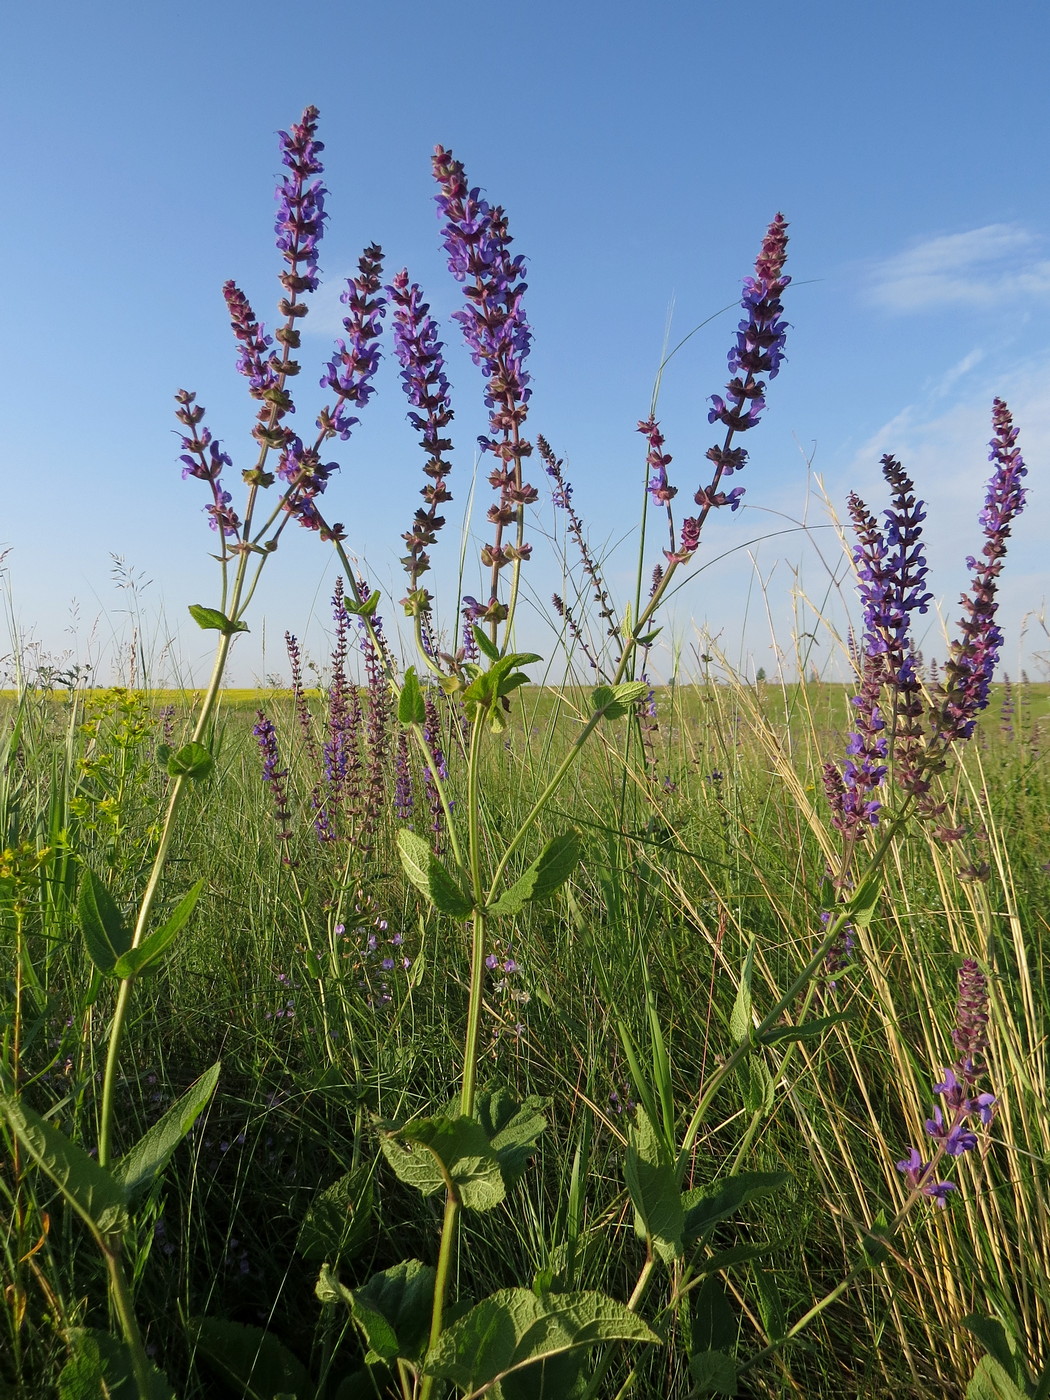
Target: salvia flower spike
(968, 673)
(757, 349)
(499, 337)
(951, 1126)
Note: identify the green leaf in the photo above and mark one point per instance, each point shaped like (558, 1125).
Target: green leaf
(212, 620)
(992, 1335)
(741, 1022)
(756, 1086)
(92, 1191)
(770, 1305)
(713, 1324)
(100, 1368)
(561, 1377)
(993, 1382)
(392, 1309)
(809, 1030)
(430, 877)
(649, 638)
(514, 1329)
(876, 1243)
(512, 1131)
(153, 948)
(339, 1221)
(191, 761)
(255, 1361)
(653, 1188)
(706, 1205)
(365, 609)
(138, 1168)
(105, 934)
(431, 1153)
(486, 645)
(547, 873)
(411, 707)
(865, 899)
(613, 701)
(714, 1373)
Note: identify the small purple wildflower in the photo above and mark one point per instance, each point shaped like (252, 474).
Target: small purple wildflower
(951, 1129)
(402, 780)
(968, 674)
(274, 775)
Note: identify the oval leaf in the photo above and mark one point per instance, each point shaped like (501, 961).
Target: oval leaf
(514, 1329)
(212, 620)
(612, 701)
(105, 935)
(191, 761)
(153, 948)
(454, 1153)
(259, 1365)
(411, 708)
(92, 1191)
(555, 863)
(653, 1188)
(430, 877)
(138, 1168)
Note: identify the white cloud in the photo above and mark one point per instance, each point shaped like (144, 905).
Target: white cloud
(982, 267)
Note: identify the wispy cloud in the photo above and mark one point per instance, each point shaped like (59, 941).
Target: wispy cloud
(981, 267)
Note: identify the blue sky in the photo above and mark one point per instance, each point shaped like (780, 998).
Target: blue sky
(640, 157)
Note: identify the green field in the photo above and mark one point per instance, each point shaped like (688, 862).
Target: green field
(704, 839)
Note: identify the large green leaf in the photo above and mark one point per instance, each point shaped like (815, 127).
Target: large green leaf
(100, 1368)
(551, 868)
(191, 761)
(713, 1373)
(706, 1205)
(512, 1130)
(741, 1022)
(431, 1153)
(153, 948)
(411, 707)
(714, 1325)
(613, 701)
(514, 1329)
(255, 1361)
(993, 1336)
(92, 1191)
(653, 1188)
(993, 1382)
(339, 1221)
(392, 1309)
(430, 877)
(212, 620)
(865, 899)
(138, 1168)
(756, 1085)
(105, 934)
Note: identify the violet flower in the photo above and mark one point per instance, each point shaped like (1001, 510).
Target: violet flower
(300, 206)
(968, 674)
(950, 1126)
(499, 338)
(273, 775)
(758, 349)
(420, 354)
(350, 371)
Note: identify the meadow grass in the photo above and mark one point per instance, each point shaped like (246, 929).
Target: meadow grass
(642, 947)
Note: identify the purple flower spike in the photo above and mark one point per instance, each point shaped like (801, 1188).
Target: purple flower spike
(350, 371)
(499, 338)
(273, 775)
(968, 674)
(420, 354)
(300, 206)
(758, 349)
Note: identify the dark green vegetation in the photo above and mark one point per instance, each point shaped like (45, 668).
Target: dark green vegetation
(704, 835)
